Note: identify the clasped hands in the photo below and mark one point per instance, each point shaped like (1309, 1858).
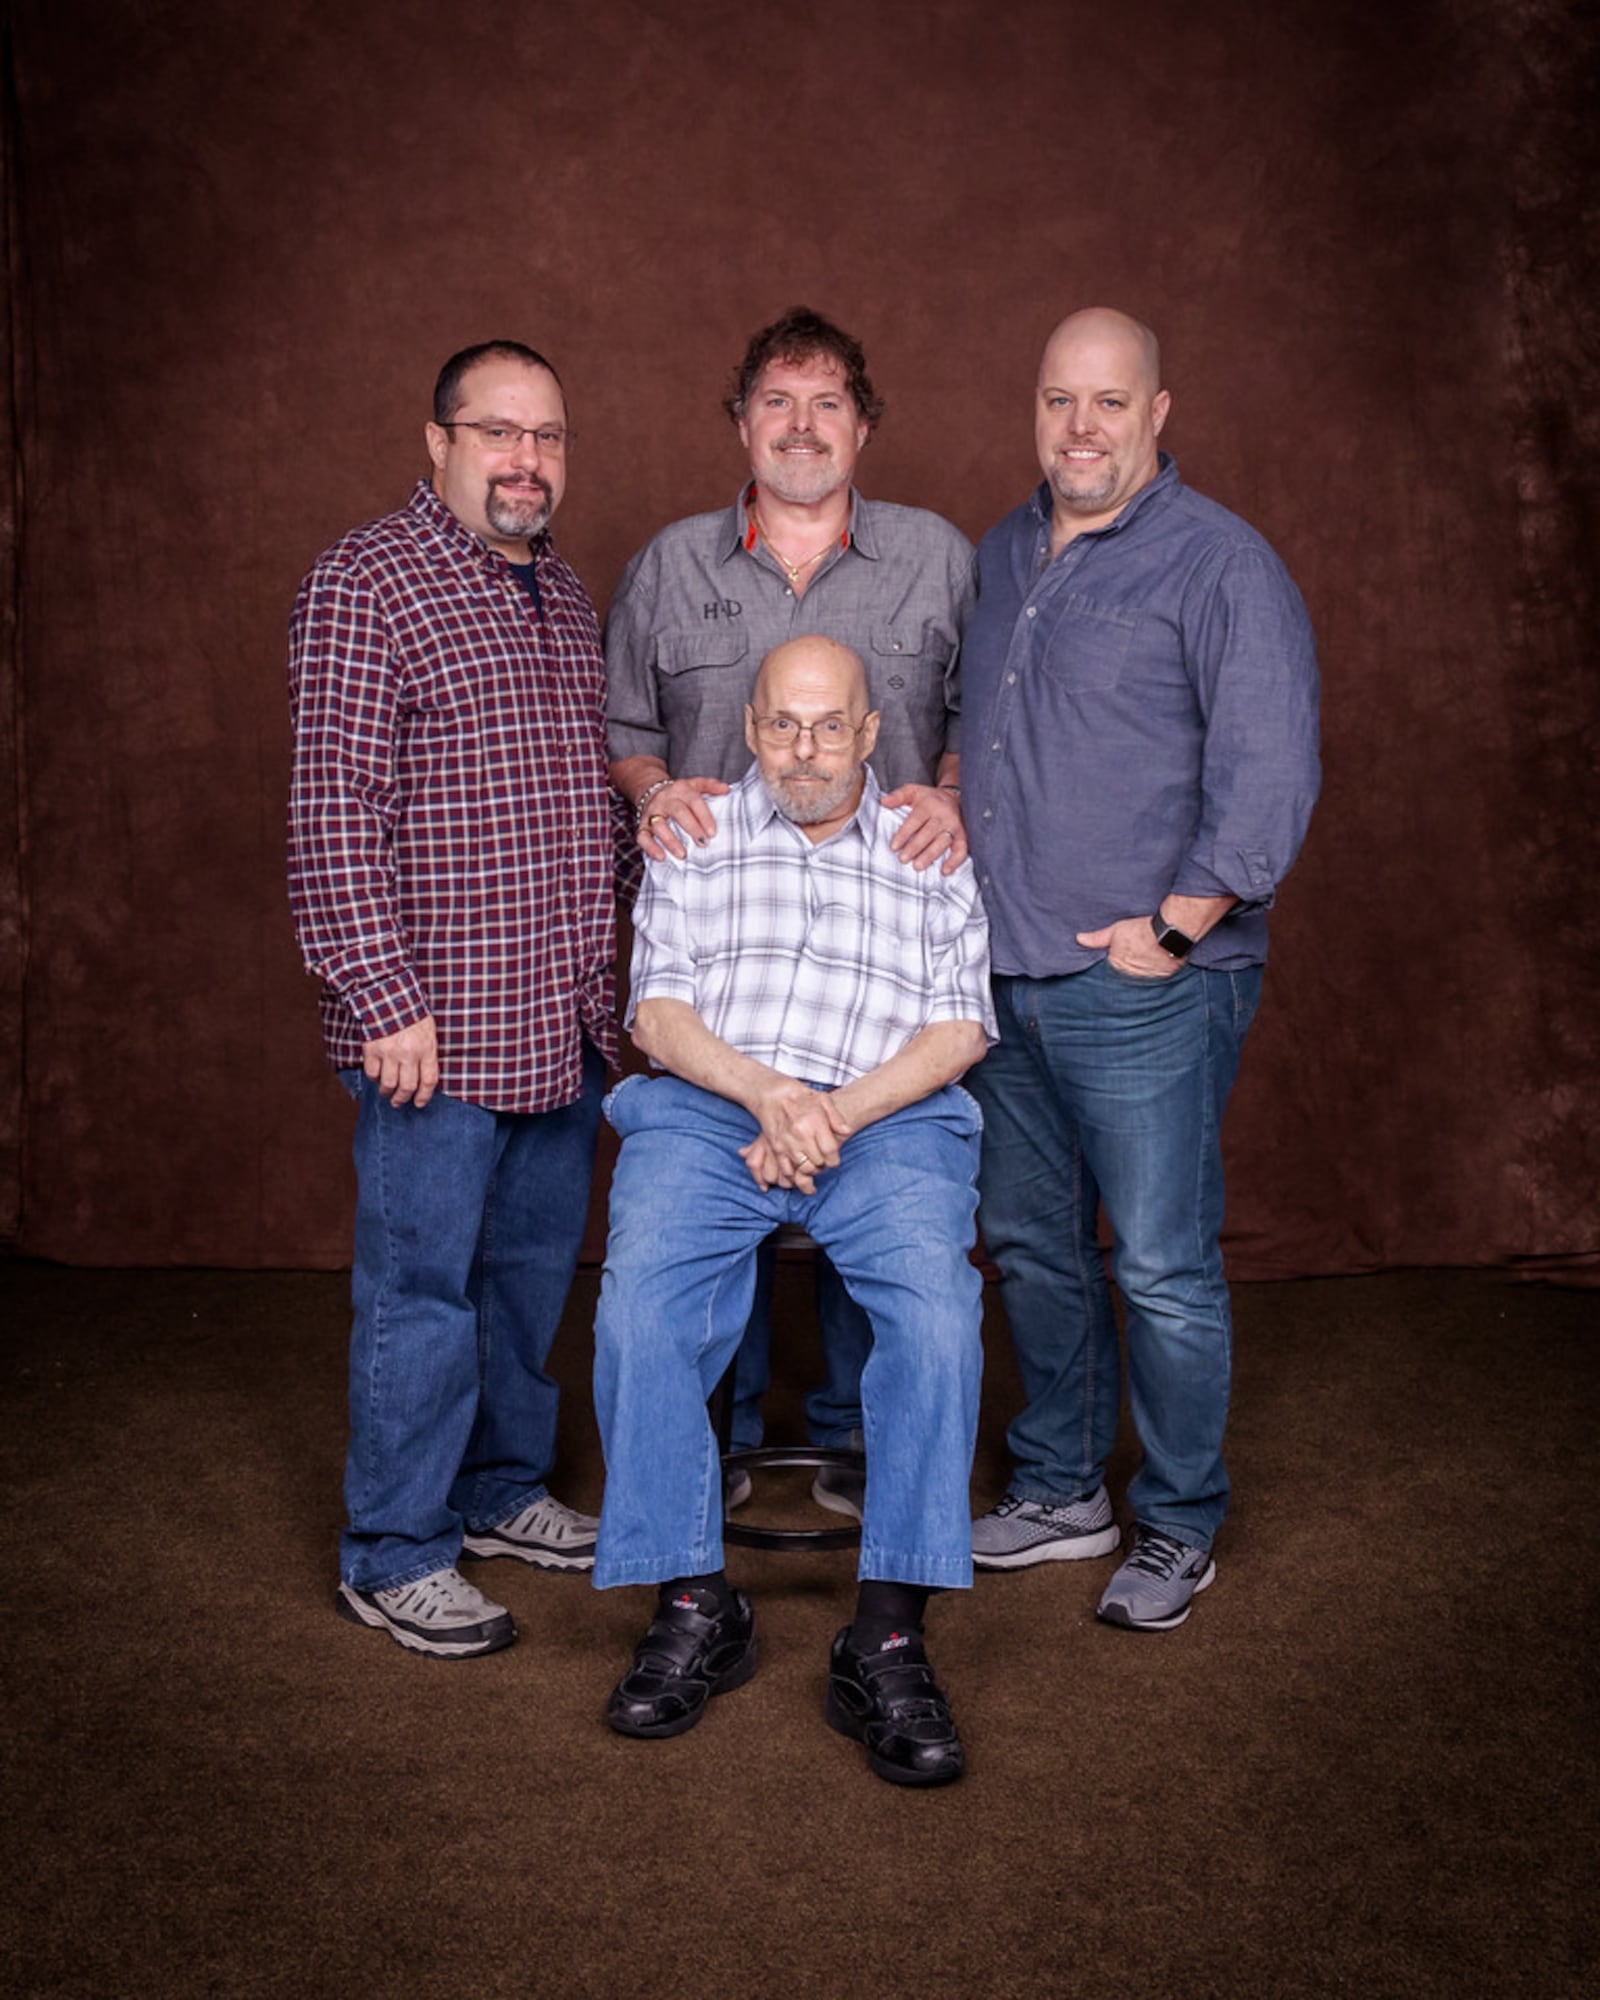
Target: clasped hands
(802, 1131)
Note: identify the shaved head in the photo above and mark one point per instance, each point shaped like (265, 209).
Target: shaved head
(823, 665)
(1105, 326)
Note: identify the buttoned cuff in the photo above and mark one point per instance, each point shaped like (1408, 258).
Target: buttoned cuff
(390, 1006)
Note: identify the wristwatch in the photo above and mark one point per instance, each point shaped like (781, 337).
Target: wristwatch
(1175, 943)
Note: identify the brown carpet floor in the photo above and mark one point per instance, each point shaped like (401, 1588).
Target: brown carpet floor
(1365, 1766)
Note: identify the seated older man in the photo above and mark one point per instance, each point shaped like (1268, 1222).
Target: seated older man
(813, 1002)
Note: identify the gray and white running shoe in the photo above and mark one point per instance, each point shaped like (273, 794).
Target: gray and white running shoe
(544, 1532)
(1019, 1532)
(441, 1614)
(1153, 1589)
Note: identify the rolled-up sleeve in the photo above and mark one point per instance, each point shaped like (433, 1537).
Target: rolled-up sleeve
(1252, 659)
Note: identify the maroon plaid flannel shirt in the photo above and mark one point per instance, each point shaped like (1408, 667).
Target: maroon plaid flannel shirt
(450, 838)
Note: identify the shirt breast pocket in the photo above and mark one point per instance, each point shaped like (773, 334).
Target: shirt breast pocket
(679, 653)
(1086, 645)
(882, 943)
(910, 648)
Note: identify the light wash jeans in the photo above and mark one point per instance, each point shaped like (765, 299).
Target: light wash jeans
(1108, 1086)
(896, 1216)
(468, 1224)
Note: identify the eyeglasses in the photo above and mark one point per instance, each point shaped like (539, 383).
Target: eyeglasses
(831, 733)
(550, 438)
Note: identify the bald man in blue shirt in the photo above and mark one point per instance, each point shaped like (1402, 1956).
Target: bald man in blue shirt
(1140, 766)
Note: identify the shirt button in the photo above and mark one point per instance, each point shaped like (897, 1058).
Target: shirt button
(995, 745)
(988, 812)
(1033, 610)
(897, 646)
(1011, 680)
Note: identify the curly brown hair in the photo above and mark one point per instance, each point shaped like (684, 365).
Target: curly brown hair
(800, 336)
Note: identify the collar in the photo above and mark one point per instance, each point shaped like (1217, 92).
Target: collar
(1165, 481)
(757, 811)
(436, 519)
(741, 527)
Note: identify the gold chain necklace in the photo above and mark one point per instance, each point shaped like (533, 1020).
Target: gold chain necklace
(793, 571)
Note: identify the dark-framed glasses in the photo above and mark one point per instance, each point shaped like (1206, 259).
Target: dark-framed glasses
(494, 435)
(831, 733)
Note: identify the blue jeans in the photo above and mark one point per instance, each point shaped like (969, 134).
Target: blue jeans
(1109, 1087)
(468, 1224)
(833, 1408)
(896, 1216)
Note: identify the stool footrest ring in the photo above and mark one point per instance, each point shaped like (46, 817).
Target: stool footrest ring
(787, 1458)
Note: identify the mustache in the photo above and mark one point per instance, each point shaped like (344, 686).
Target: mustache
(519, 486)
(807, 438)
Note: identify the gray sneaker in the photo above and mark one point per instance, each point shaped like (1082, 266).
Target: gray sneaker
(736, 1489)
(1152, 1590)
(1019, 1532)
(545, 1532)
(440, 1614)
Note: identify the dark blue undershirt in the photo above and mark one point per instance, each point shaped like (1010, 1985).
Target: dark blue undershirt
(527, 575)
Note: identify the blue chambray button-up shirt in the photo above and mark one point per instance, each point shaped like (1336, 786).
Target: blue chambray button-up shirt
(1141, 722)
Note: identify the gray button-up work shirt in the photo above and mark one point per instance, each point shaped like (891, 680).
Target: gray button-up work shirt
(1141, 722)
(703, 603)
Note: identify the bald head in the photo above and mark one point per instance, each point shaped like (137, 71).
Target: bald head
(821, 666)
(1126, 343)
(810, 732)
(1099, 410)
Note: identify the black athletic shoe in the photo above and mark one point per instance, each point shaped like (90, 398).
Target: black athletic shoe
(890, 1701)
(691, 1652)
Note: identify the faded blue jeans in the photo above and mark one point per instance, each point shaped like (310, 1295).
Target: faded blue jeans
(896, 1216)
(468, 1225)
(1105, 1086)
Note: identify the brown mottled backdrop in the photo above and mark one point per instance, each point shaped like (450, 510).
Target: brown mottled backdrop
(241, 238)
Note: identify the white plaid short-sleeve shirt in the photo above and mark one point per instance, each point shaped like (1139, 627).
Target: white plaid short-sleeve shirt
(820, 960)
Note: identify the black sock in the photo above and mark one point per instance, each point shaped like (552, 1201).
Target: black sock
(886, 1609)
(713, 1592)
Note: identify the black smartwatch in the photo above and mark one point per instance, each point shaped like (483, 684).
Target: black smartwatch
(1175, 943)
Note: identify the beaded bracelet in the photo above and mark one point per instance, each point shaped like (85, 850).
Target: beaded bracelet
(646, 796)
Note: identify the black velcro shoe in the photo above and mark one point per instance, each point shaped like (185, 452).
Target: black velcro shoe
(692, 1651)
(890, 1701)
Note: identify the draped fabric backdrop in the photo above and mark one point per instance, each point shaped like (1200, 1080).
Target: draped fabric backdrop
(240, 240)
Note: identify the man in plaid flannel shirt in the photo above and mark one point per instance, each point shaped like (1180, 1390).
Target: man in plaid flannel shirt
(451, 874)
